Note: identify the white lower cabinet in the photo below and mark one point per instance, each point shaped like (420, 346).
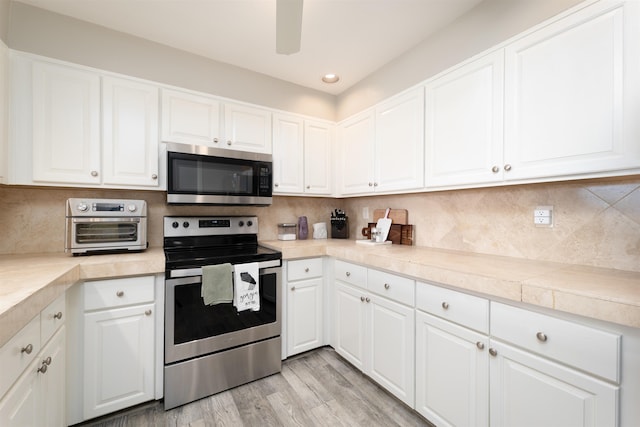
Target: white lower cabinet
(37, 397)
(304, 305)
(375, 333)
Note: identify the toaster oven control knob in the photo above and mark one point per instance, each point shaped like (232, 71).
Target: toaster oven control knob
(83, 207)
(132, 208)
(175, 224)
(249, 223)
(185, 224)
(241, 223)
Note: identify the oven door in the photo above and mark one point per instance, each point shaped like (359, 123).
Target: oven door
(100, 233)
(194, 329)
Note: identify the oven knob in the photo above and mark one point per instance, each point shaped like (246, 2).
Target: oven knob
(175, 224)
(185, 224)
(83, 207)
(241, 223)
(249, 223)
(132, 208)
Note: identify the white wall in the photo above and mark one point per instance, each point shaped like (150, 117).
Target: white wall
(49, 34)
(486, 25)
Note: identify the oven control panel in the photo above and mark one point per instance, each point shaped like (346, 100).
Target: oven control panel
(175, 226)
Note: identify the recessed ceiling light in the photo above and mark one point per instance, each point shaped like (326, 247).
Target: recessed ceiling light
(330, 78)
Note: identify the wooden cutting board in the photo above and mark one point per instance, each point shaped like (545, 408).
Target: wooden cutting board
(398, 216)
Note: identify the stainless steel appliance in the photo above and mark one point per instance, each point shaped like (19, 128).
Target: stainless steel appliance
(211, 348)
(217, 176)
(105, 225)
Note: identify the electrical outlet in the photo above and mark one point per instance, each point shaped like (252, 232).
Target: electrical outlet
(543, 216)
(365, 213)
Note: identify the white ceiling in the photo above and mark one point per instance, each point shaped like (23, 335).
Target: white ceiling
(352, 38)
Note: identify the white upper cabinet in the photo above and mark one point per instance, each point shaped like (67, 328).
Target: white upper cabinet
(464, 122)
(288, 154)
(318, 141)
(571, 95)
(247, 128)
(130, 132)
(190, 119)
(357, 137)
(66, 124)
(4, 111)
(399, 146)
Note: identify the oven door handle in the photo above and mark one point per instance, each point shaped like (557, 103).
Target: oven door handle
(103, 219)
(188, 272)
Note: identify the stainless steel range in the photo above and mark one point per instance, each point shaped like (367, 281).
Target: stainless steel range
(210, 348)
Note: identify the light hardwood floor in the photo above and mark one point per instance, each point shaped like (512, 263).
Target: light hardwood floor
(317, 388)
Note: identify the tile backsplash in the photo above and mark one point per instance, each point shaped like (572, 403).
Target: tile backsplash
(596, 222)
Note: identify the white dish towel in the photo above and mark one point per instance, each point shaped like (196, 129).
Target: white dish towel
(246, 289)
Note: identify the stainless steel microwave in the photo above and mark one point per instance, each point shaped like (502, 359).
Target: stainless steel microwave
(217, 176)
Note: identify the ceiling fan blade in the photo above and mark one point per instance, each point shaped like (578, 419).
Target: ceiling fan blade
(288, 26)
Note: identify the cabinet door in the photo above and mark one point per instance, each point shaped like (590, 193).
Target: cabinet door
(19, 407)
(464, 120)
(399, 148)
(452, 373)
(571, 95)
(288, 154)
(66, 125)
(349, 322)
(53, 382)
(4, 112)
(562, 396)
(130, 132)
(318, 139)
(357, 139)
(247, 128)
(118, 359)
(190, 119)
(304, 316)
(391, 347)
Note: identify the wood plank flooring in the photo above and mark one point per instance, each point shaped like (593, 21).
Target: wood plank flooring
(318, 388)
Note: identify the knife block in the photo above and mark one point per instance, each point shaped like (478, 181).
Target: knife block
(340, 228)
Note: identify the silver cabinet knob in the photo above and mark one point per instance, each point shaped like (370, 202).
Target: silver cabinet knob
(493, 352)
(348, 274)
(148, 313)
(229, 142)
(367, 299)
(386, 286)
(47, 361)
(293, 288)
(94, 173)
(495, 169)
(507, 167)
(308, 187)
(120, 294)
(42, 369)
(276, 184)
(215, 140)
(306, 270)
(154, 176)
(27, 349)
(58, 315)
(371, 184)
(445, 305)
(375, 184)
(480, 345)
(362, 299)
(542, 337)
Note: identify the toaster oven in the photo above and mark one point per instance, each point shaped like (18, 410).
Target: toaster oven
(105, 225)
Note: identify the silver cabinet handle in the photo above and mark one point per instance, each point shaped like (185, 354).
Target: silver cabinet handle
(229, 142)
(507, 167)
(480, 345)
(375, 184)
(293, 288)
(367, 299)
(445, 305)
(27, 349)
(362, 299)
(386, 286)
(493, 352)
(495, 169)
(276, 184)
(348, 274)
(215, 140)
(94, 173)
(308, 187)
(47, 361)
(542, 337)
(154, 176)
(42, 369)
(58, 315)
(120, 294)
(148, 313)
(371, 184)
(306, 270)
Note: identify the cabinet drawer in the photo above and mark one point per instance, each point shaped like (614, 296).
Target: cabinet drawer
(118, 292)
(463, 309)
(394, 287)
(51, 318)
(304, 269)
(351, 273)
(16, 354)
(586, 348)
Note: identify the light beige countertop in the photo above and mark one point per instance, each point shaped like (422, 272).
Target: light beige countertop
(28, 283)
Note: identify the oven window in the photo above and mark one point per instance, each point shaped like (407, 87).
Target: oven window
(105, 232)
(194, 320)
